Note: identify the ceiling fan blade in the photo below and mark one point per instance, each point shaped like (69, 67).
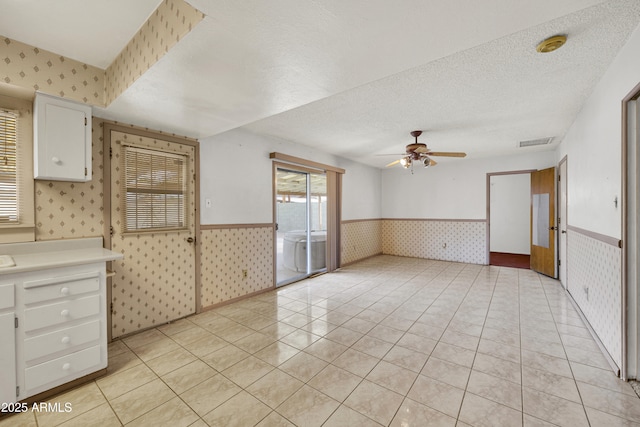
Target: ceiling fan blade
(432, 163)
(393, 163)
(446, 154)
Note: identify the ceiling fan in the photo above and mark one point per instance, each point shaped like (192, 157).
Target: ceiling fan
(419, 153)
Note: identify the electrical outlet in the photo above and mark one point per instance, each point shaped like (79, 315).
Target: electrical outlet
(244, 274)
(207, 203)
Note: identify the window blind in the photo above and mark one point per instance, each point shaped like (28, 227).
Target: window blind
(155, 190)
(8, 167)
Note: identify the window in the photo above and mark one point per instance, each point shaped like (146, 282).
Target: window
(16, 170)
(8, 167)
(155, 188)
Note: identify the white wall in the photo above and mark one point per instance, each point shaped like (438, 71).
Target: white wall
(510, 212)
(593, 147)
(452, 190)
(236, 175)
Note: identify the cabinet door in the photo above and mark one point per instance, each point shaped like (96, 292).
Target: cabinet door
(62, 136)
(7, 358)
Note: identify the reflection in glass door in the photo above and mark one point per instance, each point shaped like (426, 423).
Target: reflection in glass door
(301, 215)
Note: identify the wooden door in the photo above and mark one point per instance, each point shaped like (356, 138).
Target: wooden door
(155, 282)
(543, 225)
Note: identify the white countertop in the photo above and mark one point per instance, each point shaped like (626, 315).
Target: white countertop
(34, 256)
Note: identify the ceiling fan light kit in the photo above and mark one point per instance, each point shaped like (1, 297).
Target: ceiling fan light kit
(418, 152)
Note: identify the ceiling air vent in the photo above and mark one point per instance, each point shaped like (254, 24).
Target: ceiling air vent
(534, 142)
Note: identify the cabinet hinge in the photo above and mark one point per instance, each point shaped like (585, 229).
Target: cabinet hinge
(85, 121)
(111, 230)
(17, 390)
(111, 307)
(16, 322)
(620, 244)
(558, 263)
(110, 152)
(86, 172)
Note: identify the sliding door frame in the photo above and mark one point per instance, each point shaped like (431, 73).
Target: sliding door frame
(334, 204)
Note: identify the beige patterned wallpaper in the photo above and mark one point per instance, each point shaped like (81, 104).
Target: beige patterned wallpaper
(360, 239)
(225, 252)
(594, 282)
(448, 240)
(67, 210)
(153, 284)
(165, 27)
(31, 68)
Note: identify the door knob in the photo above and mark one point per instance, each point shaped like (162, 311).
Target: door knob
(190, 239)
(553, 228)
(564, 231)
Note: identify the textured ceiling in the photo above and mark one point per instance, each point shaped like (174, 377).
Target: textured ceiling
(353, 77)
(483, 100)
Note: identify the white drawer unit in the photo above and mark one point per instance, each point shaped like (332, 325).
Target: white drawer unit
(60, 287)
(61, 340)
(40, 377)
(61, 312)
(60, 332)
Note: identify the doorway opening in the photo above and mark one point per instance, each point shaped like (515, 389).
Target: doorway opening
(301, 223)
(508, 214)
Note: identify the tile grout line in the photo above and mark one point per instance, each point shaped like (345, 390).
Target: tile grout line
(555, 323)
(479, 339)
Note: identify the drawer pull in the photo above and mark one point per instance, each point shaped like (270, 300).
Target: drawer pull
(65, 340)
(64, 291)
(64, 313)
(66, 366)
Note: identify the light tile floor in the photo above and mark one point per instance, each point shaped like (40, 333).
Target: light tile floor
(388, 341)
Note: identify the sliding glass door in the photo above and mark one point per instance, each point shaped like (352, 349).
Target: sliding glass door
(301, 224)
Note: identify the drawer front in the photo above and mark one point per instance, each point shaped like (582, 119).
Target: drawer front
(62, 369)
(63, 339)
(63, 287)
(7, 299)
(64, 311)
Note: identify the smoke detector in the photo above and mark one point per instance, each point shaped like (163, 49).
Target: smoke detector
(551, 44)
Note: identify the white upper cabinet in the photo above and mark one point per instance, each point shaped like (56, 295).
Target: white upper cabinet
(62, 139)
